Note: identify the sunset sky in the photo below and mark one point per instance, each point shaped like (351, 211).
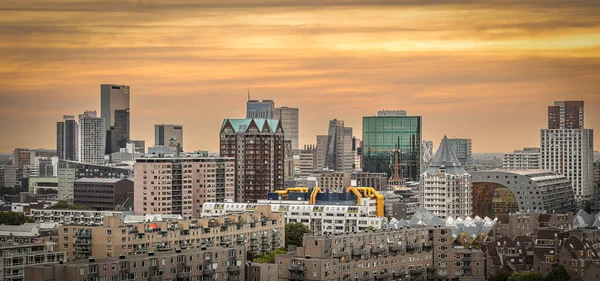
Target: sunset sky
(486, 72)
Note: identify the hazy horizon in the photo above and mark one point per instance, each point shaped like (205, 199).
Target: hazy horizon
(485, 72)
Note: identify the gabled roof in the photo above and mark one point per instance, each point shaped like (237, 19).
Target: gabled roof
(242, 125)
(445, 157)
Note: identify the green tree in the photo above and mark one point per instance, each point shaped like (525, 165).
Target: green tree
(62, 204)
(370, 228)
(270, 256)
(12, 218)
(526, 276)
(558, 273)
(294, 232)
(500, 276)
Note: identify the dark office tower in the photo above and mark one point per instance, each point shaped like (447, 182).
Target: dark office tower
(565, 115)
(120, 131)
(113, 98)
(260, 109)
(66, 131)
(334, 151)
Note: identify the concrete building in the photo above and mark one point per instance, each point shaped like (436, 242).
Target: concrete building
(91, 135)
(42, 183)
(405, 254)
(332, 180)
(257, 146)
(24, 156)
(378, 181)
(260, 109)
(290, 122)
(288, 162)
(567, 148)
(357, 153)
(446, 186)
(215, 263)
(181, 185)
(140, 146)
(169, 135)
(391, 113)
(337, 154)
(426, 154)
(462, 148)
(526, 159)
(8, 175)
(566, 115)
(304, 161)
(66, 138)
(509, 191)
(383, 135)
(101, 194)
(261, 271)
(70, 171)
(73, 217)
(596, 198)
(512, 225)
(259, 232)
(320, 219)
(14, 258)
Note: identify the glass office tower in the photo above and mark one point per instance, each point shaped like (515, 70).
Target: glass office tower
(383, 134)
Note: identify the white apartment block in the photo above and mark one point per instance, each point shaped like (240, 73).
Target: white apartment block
(180, 186)
(72, 217)
(570, 152)
(91, 135)
(445, 189)
(526, 159)
(320, 219)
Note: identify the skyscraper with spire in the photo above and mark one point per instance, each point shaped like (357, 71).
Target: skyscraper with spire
(445, 188)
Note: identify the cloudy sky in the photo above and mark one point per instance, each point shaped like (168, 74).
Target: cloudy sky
(486, 72)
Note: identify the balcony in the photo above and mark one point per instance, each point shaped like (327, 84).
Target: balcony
(297, 276)
(297, 267)
(339, 255)
(376, 250)
(359, 252)
(382, 276)
(400, 273)
(416, 271)
(365, 278)
(465, 259)
(233, 278)
(233, 268)
(208, 271)
(395, 247)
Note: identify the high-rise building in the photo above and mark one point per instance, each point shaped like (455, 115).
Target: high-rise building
(257, 145)
(112, 98)
(66, 138)
(8, 175)
(304, 161)
(119, 133)
(357, 153)
(289, 121)
(445, 188)
(383, 134)
(426, 154)
(91, 135)
(566, 115)
(288, 163)
(262, 109)
(567, 148)
(114, 109)
(181, 185)
(463, 150)
(168, 135)
(336, 154)
(526, 159)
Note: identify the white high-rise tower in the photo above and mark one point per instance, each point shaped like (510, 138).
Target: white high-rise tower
(91, 135)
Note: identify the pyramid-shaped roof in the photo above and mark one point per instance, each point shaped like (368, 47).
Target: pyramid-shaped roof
(242, 125)
(446, 157)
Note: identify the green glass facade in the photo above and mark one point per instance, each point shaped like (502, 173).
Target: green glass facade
(382, 134)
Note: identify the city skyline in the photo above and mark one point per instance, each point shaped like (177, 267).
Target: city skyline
(495, 68)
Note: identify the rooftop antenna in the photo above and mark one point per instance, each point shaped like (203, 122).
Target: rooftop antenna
(248, 93)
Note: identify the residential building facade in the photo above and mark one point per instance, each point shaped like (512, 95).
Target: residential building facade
(446, 186)
(526, 159)
(258, 149)
(91, 136)
(181, 185)
(14, 258)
